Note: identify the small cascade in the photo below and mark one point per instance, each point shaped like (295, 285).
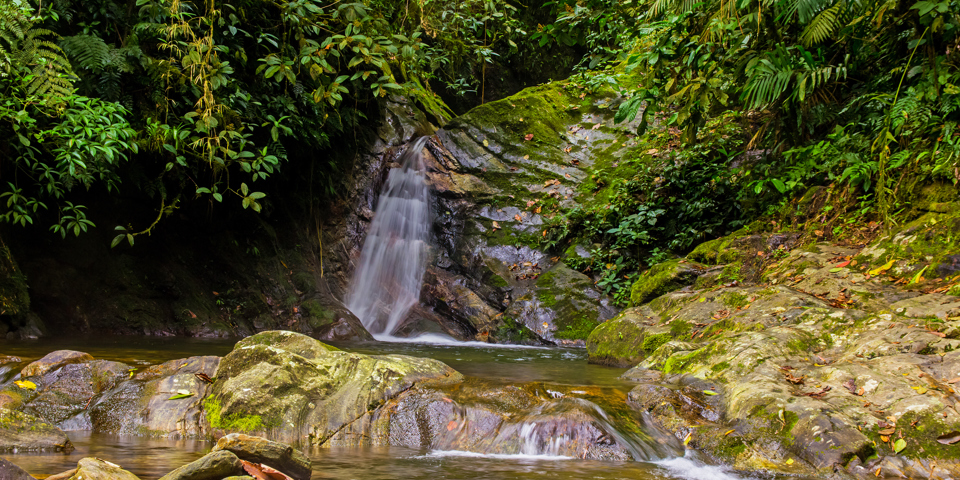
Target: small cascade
(386, 285)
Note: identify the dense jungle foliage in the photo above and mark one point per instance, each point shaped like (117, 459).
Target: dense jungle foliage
(756, 101)
(204, 101)
(751, 102)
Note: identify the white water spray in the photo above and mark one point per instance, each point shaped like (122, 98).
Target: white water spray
(386, 285)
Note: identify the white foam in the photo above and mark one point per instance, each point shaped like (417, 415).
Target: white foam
(497, 456)
(689, 469)
(440, 339)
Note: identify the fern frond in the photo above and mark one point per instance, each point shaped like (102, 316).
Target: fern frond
(89, 51)
(826, 23)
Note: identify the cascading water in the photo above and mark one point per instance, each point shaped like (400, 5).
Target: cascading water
(386, 285)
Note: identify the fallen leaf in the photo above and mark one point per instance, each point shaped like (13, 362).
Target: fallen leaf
(486, 143)
(597, 126)
(452, 425)
(526, 157)
(528, 137)
(884, 438)
(495, 225)
(517, 218)
(728, 432)
(651, 151)
(835, 270)
(203, 377)
(921, 389)
(899, 445)
(686, 440)
(881, 269)
(887, 431)
(710, 392)
(181, 394)
(789, 461)
(851, 386)
(949, 438)
(843, 264)
(26, 384)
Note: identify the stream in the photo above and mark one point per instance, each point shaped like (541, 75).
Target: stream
(561, 368)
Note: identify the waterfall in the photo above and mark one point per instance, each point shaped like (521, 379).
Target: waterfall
(386, 285)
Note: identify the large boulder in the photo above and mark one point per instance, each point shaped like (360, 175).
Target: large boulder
(291, 388)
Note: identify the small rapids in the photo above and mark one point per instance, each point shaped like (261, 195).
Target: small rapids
(387, 282)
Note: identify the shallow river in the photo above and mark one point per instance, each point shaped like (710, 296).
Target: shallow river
(152, 458)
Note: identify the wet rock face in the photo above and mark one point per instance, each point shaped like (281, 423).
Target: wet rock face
(291, 388)
(494, 189)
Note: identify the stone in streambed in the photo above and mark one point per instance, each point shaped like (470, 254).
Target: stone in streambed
(53, 361)
(291, 388)
(26, 433)
(9, 471)
(212, 466)
(96, 469)
(260, 450)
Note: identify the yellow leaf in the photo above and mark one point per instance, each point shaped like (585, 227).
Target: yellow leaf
(921, 389)
(486, 143)
(789, 461)
(686, 440)
(26, 384)
(728, 432)
(881, 269)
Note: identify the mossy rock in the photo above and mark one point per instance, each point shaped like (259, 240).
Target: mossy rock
(663, 278)
(627, 339)
(288, 387)
(26, 433)
(744, 252)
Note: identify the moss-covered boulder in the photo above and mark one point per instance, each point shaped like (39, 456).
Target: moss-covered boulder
(663, 278)
(291, 388)
(215, 465)
(627, 339)
(22, 432)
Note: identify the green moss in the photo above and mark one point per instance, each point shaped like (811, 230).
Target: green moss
(497, 281)
(679, 362)
(652, 342)
(317, 315)
(578, 329)
(231, 423)
(660, 279)
(512, 331)
(720, 367)
(732, 272)
(735, 299)
(679, 327)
